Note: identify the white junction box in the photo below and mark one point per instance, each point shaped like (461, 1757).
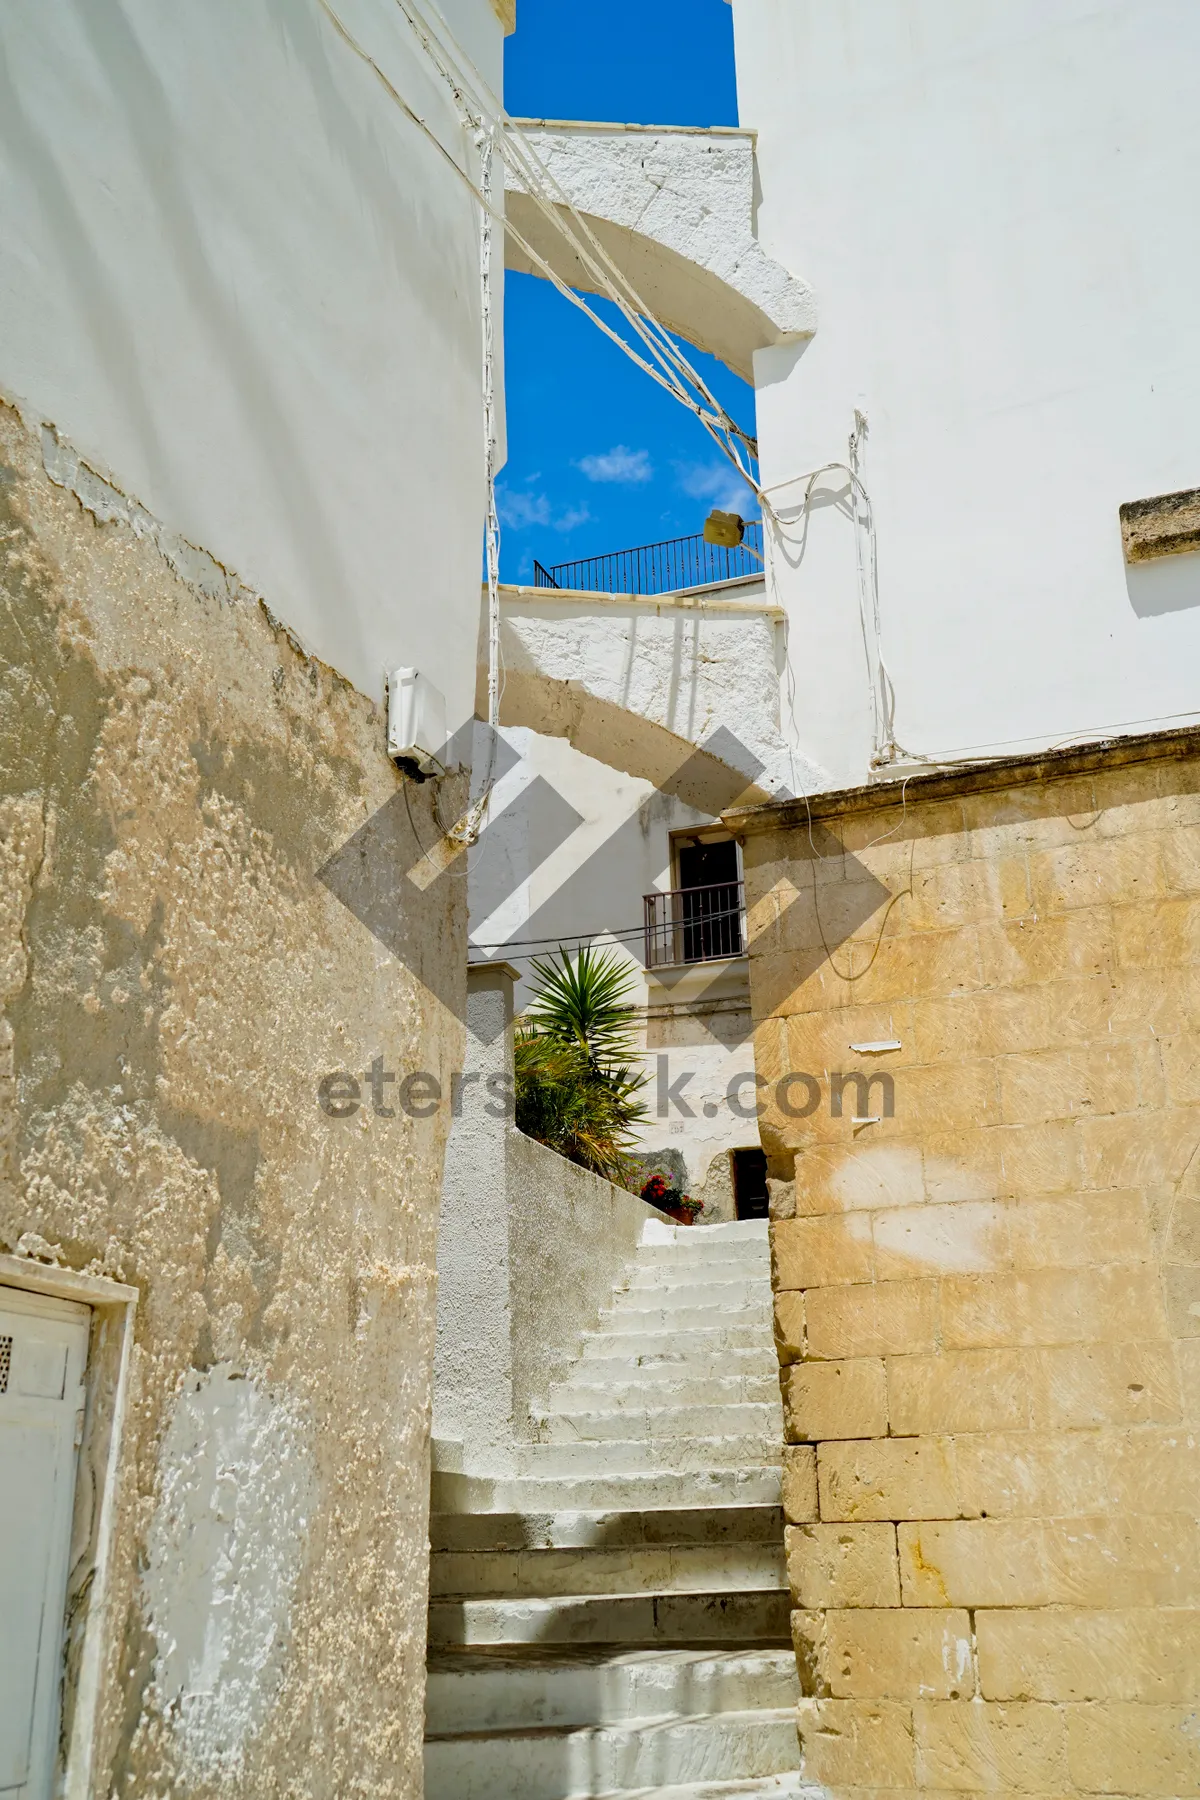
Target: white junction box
(416, 721)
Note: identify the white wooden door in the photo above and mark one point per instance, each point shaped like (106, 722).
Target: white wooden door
(43, 1357)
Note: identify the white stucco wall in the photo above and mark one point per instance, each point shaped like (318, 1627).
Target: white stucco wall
(530, 1247)
(642, 682)
(225, 1553)
(242, 284)
(995, 205)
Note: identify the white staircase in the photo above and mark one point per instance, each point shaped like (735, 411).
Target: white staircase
(612, 1617)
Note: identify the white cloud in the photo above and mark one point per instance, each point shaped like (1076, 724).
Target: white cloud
(524, 511)
(618, 464)
(719, 484)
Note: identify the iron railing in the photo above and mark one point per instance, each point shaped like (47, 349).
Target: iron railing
(667, 568)
(689, 925)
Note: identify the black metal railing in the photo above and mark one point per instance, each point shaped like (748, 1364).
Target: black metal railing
(667, 568)
(700, 924)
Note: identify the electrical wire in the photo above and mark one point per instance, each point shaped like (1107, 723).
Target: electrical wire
(674, 373)
(463, 79)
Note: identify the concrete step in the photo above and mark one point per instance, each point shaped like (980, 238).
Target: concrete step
(664, 1234)
(664, 1385)
(716, 1259)
(693, 1291)
(687, 1618)
(677, 1352)
(643, 1569)
(462, 1532)
(555, 1764)
(704, 1241)
(759, 1484)
(619, 1321)
(663, 1456)
(699, 1346)
(707, 1271)
(762, 1787)
(612, 1619)
(589, 1424)
(470, 1690)
(670, 1357)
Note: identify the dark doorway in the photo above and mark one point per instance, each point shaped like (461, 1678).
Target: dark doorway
(750, 1183)
(710, 902)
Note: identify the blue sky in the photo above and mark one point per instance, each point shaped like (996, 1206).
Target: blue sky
(599, 458)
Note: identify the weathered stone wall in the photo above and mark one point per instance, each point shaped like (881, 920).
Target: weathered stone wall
(988, 1302)
(175, 983)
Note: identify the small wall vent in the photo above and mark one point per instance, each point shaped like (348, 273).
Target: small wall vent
(5, 1362)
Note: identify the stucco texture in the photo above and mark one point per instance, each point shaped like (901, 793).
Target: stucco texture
(988, 1293)
(529, 1251)
(175, 983)
(675, 210)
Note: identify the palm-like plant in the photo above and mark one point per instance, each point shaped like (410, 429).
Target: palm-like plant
(587, 1003)
(576, 1091)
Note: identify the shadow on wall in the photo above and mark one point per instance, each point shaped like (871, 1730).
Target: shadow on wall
(1172, 584)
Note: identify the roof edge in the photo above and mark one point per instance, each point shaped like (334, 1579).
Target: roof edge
(977, 777)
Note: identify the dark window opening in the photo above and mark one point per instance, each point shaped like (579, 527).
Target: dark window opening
(750, 1183)
(710, 900)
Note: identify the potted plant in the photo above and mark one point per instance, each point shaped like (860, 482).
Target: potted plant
(671, 1200)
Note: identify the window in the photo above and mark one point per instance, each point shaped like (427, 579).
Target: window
(710, 897)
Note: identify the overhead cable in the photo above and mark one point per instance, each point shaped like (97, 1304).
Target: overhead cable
(673, 372)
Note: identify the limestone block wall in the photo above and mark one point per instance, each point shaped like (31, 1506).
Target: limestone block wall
(175, 982)
(987, 1284)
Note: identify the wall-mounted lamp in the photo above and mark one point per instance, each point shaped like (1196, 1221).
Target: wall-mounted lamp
(724, 528)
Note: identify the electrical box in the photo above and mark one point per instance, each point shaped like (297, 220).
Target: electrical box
(416, 721)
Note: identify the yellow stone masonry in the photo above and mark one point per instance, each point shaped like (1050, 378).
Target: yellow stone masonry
(986, 1261)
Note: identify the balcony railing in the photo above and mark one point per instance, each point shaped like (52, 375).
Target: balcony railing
(667, 568)
(690, 925)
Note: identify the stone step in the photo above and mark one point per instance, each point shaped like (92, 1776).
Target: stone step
(665, 1456)
(556, 1764)
(700, 1347)
(619, 1321)
(762, 1787)
(761, 1615)
(606, 1530)
(757, 1484)
(589, 1424)
(664, 1385)
(693, 1292)
(643, 1569)
(612, 1619)
(497, 1690)
(667, 1356)
(735, 1253)
(737, 1258)
(663, 1233)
